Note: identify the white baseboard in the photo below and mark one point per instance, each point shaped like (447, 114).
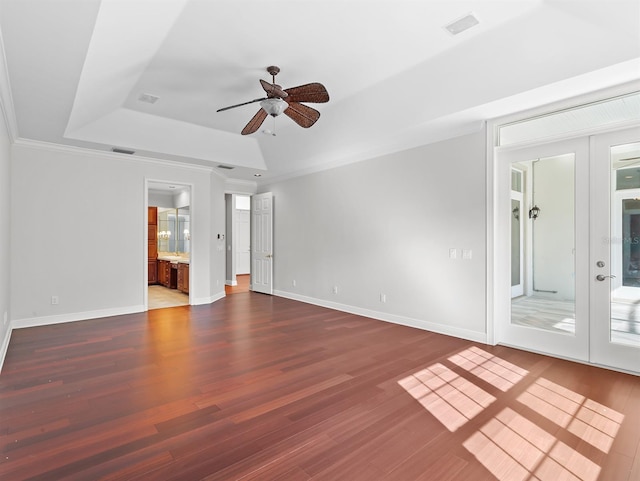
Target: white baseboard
(208, 300)
(395, 319)
(5, 346)
(231, 283)
(74, 316)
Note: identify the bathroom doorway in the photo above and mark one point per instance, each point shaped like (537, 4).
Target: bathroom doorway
(238, 238)
(169, 245)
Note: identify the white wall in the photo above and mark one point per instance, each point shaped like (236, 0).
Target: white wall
(5, 238)
(385, 226)
(79, 233)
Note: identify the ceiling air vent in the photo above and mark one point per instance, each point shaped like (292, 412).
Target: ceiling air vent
(462, 24)
(226, 167)
(122, 151)
(148, 98)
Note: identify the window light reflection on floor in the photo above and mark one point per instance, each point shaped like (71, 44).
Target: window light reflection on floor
(510, 445)
(592, 422)
(450, 398)
(513, 448)
(497, 372)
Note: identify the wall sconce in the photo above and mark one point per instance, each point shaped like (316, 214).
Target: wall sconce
(164, 234)
(187, 236)
(534, 212)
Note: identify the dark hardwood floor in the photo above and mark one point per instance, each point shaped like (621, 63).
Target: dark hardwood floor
(242, 285)
(255, 387)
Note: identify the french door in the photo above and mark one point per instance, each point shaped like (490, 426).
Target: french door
(551, 314)
(580, 216)
(615, 250)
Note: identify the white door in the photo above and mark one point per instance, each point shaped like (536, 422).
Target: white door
(615, 251)
(553, 314)
(243, 242)
(262, 243)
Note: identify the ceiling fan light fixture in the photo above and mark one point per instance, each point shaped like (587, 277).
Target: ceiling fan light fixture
(274, 106)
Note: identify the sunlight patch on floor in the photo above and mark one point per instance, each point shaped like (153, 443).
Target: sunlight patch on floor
(511, 445)
(513, 448)
(452, 399)
(497, 372)
(592, 422)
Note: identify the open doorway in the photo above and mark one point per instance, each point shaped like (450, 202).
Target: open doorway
(238, 237)
(169, 245)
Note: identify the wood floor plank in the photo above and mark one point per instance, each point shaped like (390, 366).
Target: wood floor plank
(256, 387)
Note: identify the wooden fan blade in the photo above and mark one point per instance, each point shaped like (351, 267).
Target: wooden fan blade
(255, 123)
(240, 105)
(314, 93)
(273, 90)
(301, 114)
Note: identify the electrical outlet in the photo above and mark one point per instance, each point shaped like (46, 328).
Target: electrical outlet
(6, 318)
(335, 289)
(467, 254)
(293, 283)
(453, 253)
(55, 301)
(383, 298)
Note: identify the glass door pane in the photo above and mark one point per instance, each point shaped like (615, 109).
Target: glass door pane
(549, 300)
(624, 253)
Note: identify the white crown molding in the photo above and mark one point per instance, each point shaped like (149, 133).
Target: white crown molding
(82, 151)
(6, 98)
(238, 186)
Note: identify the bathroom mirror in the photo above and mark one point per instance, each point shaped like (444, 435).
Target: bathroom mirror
(174, 234)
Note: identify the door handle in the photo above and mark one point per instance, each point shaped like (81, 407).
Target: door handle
(601, 277)
(268, 256)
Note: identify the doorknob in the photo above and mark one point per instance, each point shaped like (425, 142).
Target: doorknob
(600, 277)
(268, 256)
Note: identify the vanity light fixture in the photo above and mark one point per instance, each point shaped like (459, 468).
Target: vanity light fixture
(187, 236)
(165, 234)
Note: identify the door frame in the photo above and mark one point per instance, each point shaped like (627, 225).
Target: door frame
(191, 187)
(497, 303)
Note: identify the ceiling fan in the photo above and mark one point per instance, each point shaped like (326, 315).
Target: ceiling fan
(287, 101)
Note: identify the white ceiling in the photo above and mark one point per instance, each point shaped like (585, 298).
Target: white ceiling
(396, 77)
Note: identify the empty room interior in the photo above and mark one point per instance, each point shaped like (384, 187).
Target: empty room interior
(320, 240)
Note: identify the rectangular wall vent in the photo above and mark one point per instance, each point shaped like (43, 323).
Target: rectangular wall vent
(148, 98)
(122, 151)
(462, 24)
